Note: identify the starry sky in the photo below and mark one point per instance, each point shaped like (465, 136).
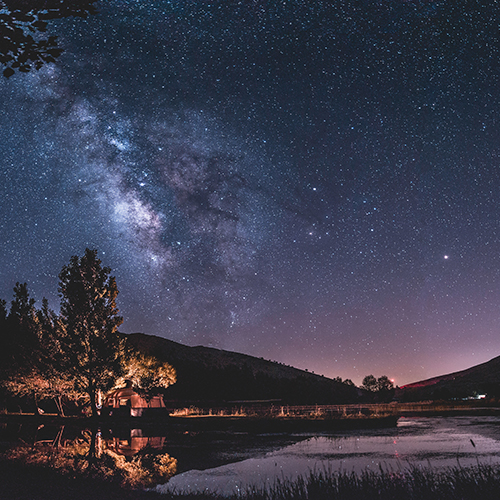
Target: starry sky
(313, 182)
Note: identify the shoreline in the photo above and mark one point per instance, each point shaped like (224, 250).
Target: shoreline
(40, 481)
(238, 423)
(464, 483)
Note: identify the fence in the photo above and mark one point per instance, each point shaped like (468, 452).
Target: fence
(330, 411)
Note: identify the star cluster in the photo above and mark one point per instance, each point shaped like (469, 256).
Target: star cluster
(311, 182)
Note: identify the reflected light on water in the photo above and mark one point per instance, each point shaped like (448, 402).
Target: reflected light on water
(131, 459)
(435, 442)
(229, 463)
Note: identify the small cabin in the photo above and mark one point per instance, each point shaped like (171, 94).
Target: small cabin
(127, 402)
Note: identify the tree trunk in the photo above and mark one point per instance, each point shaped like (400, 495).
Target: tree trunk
(93, 403)
(92, 448)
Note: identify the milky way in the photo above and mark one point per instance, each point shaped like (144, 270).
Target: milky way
(311, 182)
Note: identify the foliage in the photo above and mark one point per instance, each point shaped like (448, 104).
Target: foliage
(369, 383)
(30, 350)
(22, 23)
(77, 353)
(94, 354)
(10, 338)
(19, 339)
(22, 323)
(147, 374)
(382, 384)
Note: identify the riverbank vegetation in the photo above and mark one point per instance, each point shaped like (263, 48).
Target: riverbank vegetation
(412, 483)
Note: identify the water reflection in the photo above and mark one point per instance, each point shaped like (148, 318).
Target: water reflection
(181, 460)
(435, 442)
(132, 444)
(131, 456)
(128, 457)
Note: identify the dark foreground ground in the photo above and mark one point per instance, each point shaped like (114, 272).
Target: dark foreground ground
(20, 482)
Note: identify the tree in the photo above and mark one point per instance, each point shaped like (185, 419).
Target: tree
(369, 383)
(94, 352)
(384, 384)
(53, 381)
(148, 374)
(19, 338)
(4, 337)
(22, 22)
(30, 350)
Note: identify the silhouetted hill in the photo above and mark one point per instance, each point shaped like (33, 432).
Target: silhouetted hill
(480, 379)
(205, 374)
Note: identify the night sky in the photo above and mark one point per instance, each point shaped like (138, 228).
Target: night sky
(313, 182)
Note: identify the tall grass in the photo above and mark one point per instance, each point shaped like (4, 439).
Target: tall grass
(480, 482)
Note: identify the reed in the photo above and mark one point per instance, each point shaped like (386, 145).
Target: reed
(412, 483)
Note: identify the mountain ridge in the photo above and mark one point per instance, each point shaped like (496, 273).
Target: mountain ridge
(211, 374)
(483, 378)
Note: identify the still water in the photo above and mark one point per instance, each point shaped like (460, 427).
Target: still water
(436, 442)
(185, 461)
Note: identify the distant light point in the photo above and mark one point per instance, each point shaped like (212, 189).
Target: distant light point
(446, 257)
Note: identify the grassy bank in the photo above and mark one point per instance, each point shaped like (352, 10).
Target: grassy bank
(411, 484)
(24, 482)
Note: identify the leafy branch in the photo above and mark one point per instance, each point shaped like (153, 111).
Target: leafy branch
(23, 23)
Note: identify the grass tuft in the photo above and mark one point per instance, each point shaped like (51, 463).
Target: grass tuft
(413, 483)
(44, 481)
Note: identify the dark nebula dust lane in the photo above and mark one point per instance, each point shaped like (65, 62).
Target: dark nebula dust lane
(315, 183)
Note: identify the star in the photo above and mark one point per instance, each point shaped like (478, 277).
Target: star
(380, 147)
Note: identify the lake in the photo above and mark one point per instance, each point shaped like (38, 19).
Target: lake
(437, 442)
(187, 461)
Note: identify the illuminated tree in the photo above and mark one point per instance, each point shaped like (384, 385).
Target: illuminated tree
(42, 385)
(78, 353)
(147, 374)
(93, 351)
